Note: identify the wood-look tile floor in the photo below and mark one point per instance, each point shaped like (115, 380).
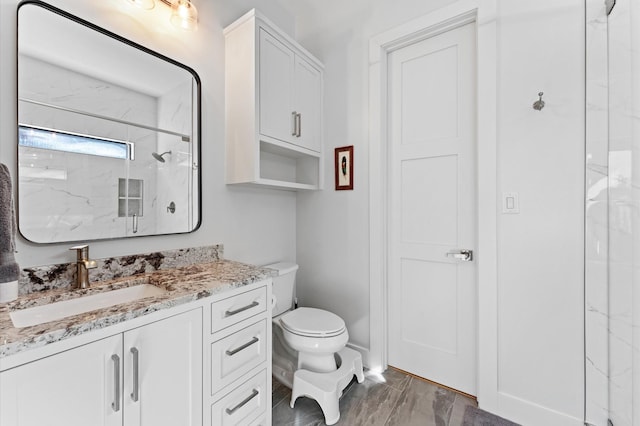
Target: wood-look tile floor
(392, 398)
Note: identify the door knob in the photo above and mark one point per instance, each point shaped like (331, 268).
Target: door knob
(464, 255)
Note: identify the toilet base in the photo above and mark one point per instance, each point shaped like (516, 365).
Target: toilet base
(326, 388)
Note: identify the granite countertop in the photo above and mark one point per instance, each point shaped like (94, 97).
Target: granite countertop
(183, 284)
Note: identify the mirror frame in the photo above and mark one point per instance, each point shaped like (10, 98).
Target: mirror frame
(143, 49)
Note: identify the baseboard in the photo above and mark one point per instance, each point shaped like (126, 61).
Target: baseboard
(531, 414)
(363, 351)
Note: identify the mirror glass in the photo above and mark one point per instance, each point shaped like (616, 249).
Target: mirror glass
(108, 134)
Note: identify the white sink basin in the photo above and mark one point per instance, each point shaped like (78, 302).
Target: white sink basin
(66, 308)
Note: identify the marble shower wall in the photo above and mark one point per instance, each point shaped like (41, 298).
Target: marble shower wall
(621, 213)
(613, 233)
(596, 216)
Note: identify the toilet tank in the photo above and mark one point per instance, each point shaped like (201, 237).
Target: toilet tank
(283, 286)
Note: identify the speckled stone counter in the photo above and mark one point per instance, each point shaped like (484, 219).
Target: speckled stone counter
(182, 284)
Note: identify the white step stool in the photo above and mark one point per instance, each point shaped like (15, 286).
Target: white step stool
(326, 388)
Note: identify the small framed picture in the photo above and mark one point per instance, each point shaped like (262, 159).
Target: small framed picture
(344, 168)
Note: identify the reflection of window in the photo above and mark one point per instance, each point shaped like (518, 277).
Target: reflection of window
(56, 140)
(129, 197)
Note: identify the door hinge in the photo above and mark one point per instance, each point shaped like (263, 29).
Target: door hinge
(610, 5)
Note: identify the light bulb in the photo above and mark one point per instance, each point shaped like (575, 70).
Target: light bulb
(184, 15)
(143, 4)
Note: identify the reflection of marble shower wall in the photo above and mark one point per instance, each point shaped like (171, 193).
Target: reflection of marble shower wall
(175, 114)
(596, 227)
(75, 208)
(46, 82)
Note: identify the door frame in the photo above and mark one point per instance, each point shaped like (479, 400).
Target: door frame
(483, 13)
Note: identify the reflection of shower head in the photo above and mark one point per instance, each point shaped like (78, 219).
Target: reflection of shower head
(160, 157)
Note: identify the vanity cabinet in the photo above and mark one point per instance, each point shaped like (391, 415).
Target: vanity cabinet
(74, 388)
(273, 107)
(165, 359)
(147, 376)
(238, 359)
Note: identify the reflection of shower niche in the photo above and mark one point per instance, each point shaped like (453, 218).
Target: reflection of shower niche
(130, 197)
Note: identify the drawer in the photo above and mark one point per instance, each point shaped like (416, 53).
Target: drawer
(243, 404)
(236, 354)
(260, 421)
(234, 309)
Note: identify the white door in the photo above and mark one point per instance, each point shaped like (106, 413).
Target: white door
(432, 213)
(168, 355)
(78, 387)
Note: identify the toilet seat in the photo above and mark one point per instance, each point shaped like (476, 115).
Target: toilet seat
(312, 322)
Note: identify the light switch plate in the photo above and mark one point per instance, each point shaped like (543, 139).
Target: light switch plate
(510, 203)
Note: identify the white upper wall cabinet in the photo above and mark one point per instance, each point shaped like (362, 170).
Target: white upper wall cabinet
(273, 103)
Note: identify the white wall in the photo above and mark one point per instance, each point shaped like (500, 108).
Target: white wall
(256, 226)
(538, 362)
(540, 251)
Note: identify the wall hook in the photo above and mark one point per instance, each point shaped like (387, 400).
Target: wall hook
(539, 104)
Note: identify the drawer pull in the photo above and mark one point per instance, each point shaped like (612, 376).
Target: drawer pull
(230, 411)
(244, 308)
(245, 346)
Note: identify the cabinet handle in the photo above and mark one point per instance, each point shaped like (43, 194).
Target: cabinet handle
(115, 405)
(299, 124)
(294, 119)
(244, 308)
(136, 375)
(245, 346)
(244, 402)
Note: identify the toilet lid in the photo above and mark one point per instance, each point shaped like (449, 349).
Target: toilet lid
(312, 322)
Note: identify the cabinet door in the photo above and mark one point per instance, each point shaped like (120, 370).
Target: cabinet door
(308, 103)
(78, 387)
(276, 88)
(165, 358)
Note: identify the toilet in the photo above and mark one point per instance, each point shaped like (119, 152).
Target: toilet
(309, 347)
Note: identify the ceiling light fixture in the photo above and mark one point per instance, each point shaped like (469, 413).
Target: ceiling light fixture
(143, 4)
(184, 14)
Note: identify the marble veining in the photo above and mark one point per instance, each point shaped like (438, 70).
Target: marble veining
(62, 276)
(183, 284)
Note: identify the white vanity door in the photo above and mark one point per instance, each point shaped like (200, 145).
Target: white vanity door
(168, 372)
(78, 387)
